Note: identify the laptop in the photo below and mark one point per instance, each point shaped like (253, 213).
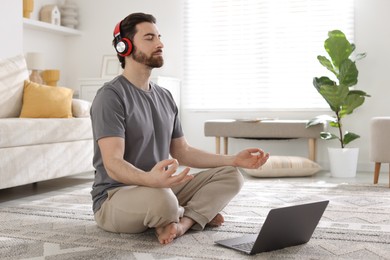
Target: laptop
(283, 227)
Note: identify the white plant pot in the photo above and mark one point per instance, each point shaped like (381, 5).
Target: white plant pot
(343, 162)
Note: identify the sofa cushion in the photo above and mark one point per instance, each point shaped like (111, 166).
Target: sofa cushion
(13, 73)
(41, 101)
(32, 131)
(80, 108)
(285, 166)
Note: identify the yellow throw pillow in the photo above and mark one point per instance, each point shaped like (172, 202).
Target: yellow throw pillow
(41, 101)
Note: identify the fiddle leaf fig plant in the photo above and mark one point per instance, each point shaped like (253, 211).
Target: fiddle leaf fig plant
(340, 93)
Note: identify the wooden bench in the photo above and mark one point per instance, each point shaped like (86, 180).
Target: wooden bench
(262, 129)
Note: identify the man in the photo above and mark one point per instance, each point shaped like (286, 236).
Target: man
(136, 127)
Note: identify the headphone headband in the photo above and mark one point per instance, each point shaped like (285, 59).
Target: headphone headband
(122, 45)
(117, 30)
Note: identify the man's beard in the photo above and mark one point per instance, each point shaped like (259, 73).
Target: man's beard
(152, 61)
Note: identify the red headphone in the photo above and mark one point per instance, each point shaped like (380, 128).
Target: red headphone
(123, 45)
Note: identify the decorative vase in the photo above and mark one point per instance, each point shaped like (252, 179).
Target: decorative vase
(28, 7)
(35, 76)
(50, 77)
(343, 162)
(69, 13)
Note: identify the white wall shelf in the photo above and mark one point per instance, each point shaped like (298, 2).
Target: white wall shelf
(47, 27)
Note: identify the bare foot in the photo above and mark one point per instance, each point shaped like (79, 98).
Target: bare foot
(173, 230)
(166, 234)
(216, 221)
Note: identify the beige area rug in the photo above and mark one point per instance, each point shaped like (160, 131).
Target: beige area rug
(356, 225)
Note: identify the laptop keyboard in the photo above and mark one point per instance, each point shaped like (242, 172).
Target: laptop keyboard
(247, 247)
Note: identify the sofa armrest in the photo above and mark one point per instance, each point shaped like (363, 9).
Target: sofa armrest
(80, 107)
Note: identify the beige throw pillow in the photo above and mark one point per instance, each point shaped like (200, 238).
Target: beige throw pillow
(80, 108)
(285, 166)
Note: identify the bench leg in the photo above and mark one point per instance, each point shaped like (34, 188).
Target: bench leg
(312, 149)
(225, 145)
(217, 145)
(376, 172)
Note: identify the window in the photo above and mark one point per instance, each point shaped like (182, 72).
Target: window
(258, 54)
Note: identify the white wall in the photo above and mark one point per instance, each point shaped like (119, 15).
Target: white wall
(372, 38)
(83, 57)
(10, 28)
(97, 24)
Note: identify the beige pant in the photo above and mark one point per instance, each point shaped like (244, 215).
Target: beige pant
(134, 209)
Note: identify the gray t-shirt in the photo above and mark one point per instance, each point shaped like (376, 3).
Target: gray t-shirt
(147, 120)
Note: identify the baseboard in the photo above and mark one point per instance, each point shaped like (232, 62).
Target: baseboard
(361, 167)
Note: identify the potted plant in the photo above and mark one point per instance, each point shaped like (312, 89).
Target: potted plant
(342, 98)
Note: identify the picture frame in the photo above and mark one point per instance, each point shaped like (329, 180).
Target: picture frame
(111, 66)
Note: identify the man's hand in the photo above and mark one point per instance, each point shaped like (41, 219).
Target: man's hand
(251, 158)
(163, 174)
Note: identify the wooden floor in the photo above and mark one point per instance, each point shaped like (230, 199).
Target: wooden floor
(44, 189)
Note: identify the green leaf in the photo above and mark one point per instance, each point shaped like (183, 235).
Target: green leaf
(348, 73)
(318, 82)
(338, 47)
(322, 119)
(327, 64)
(353, 46)
(334, 124)
(352, 102)
(334, 95)
(328, 136)
(359, 92)
(349, 137)
(359, 56)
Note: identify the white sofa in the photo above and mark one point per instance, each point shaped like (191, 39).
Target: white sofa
(38, 149)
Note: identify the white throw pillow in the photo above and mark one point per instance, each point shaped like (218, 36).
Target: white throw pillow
(285, 166)
(80, 108)
(13, 73)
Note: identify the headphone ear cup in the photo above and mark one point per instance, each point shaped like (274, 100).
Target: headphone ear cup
(121, 47)
(128, 47)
